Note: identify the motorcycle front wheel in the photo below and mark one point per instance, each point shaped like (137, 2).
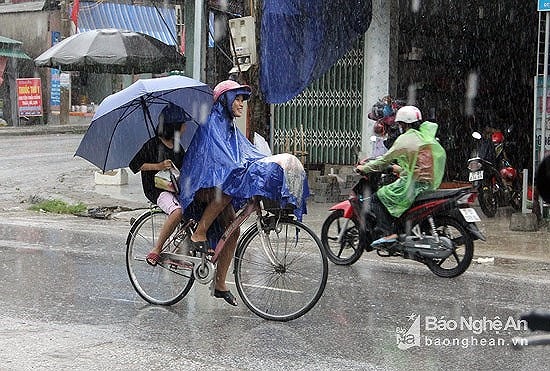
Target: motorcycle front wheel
(488, 200)
(463, 249)
(340, 238)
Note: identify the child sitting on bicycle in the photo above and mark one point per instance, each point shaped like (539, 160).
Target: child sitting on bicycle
(162, 152)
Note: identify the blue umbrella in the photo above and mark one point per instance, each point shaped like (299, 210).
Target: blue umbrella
(124, 121)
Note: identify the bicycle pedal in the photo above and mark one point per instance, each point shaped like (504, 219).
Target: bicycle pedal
(181, 267)
(174, 264)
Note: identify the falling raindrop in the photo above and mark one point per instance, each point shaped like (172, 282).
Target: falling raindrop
(471, 92)
(187, 185)
(223, 4)
(220, 29)
(218, 195)
(177, 140)
(415, 6)
(411, 94)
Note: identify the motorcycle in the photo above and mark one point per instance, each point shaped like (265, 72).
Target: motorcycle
(491, 174)
(438, 230)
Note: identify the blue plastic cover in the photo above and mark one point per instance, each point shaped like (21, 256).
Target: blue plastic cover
(220, 156)
(301, 39)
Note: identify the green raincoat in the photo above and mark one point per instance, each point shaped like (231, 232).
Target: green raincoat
(422, 160)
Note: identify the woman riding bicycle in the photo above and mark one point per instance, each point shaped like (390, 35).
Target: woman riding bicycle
(222, 170)
(218, 153)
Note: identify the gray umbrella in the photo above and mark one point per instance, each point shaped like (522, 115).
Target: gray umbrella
(111, 51)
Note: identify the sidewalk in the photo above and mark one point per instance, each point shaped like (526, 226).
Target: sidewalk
(503, 245)
(76, 126)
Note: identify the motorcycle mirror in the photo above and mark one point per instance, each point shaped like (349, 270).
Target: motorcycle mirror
(476, 135)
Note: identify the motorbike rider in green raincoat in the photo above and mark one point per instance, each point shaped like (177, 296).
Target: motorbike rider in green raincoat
(420, 164)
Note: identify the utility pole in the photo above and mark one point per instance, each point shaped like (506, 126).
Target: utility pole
(64, 93)
(194, 38)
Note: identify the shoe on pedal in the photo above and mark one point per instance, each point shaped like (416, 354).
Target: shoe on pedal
(384, 241)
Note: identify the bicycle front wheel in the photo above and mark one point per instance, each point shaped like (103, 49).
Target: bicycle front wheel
(280, 271)
(165, 283)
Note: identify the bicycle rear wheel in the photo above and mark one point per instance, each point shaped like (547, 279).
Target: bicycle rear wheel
(282, 277)
(165, 283)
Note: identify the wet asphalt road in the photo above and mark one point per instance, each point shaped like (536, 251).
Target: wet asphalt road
(67, 302)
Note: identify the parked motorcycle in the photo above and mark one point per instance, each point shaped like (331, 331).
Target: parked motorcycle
(438, 230)
(491, 174)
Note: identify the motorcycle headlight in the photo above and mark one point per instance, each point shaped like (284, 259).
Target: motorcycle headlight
(474, 165)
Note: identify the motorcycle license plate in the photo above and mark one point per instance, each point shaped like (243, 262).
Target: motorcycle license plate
(475, 175)
(470, 215)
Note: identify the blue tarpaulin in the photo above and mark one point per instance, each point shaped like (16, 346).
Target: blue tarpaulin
(159, 24)
(301, 39)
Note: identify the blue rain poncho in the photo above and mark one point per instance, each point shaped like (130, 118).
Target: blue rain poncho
(220, 156)
(422, 160)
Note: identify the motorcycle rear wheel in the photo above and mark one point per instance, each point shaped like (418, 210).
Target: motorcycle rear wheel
(487, 200)
(463, 249)
(348, 250)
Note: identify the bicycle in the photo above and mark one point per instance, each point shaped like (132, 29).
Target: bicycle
(280, 265)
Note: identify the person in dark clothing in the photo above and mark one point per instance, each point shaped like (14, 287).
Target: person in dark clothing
(160, 153)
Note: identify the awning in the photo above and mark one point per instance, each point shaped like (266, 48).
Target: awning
(11, 48)
(13, 53)
(159, 24)
(27, 6)
(7, 40)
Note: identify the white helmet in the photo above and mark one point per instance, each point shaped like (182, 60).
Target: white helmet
(408, 114)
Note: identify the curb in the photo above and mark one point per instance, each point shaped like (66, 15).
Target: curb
(42, 130)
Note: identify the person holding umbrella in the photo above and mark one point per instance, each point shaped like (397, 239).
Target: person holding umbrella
(162, 152)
